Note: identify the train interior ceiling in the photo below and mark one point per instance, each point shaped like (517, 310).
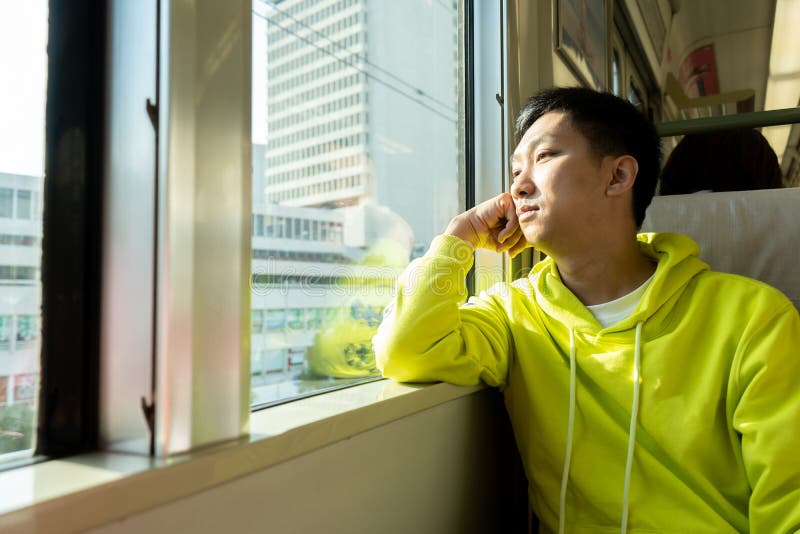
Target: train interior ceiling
(240, 421)
(713, 58)
(750, 63)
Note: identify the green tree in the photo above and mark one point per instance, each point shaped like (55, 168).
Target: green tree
(17, 427)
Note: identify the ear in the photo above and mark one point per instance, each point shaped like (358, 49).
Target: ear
(623, 173)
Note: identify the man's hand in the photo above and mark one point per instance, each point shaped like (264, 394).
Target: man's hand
(491, 224)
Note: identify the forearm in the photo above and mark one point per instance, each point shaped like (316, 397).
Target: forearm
(425, 336)
(461, 227)
(767, 418)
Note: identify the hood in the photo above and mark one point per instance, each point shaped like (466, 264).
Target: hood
(678, 263)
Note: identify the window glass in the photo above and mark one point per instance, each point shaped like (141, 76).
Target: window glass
(27, 331)
(257, 321)
(356, 166)
(5, 332)
(635, 97)
(24, 208)
(6, 202)
(616, 74)
(23, 56)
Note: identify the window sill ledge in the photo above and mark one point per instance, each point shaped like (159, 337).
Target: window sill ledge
(90, 490)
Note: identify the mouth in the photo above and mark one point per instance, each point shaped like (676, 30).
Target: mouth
(526, 205)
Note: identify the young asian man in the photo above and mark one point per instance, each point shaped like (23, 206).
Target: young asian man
(646, 391)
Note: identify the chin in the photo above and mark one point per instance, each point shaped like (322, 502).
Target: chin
(532, 236)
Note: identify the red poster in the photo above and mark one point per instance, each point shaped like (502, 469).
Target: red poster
(698, 73)
(25, 386)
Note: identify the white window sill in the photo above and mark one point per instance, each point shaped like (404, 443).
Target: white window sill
(89, 490)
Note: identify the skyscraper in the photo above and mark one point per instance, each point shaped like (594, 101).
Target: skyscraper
(353, 118)
(360, 166)
(20, 299)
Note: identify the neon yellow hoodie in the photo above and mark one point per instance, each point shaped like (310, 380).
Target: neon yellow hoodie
(716, 442)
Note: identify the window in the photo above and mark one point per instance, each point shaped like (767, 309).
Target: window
(275, 319)
(256, 321)
(295, 319)
(25, 387)
(23, 55)
(361, 142)
(24, 206)
(5, 332)
(258, 225)
(6, 202)
(635, 97)
(27, 331)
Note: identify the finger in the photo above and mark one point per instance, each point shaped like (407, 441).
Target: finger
(509, 214)
(509, 230)
(519, 246)
(511, 240)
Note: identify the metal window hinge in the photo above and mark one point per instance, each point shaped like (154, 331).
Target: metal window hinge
(149, 412)
(152, 112)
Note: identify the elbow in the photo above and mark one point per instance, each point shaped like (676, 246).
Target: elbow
(390, 358)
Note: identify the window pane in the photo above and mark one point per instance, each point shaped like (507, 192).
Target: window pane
(356, 168)
(24, 204)
(616, 75)
(635, 97)
(5, 332)
(23, 45)
(6, 202)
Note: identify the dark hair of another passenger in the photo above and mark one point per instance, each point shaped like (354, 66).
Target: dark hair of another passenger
(731, 160)
(613, 127)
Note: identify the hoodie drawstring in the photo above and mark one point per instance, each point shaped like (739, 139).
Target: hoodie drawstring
(637, 358)
(570, 427)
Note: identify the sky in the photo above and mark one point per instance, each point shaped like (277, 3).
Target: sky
(259, 98)
(23, 64)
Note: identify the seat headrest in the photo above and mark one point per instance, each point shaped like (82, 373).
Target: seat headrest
(751, 233)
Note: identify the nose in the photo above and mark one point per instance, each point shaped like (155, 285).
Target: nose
(522, 186)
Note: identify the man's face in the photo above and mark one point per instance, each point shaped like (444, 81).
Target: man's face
(559, 184)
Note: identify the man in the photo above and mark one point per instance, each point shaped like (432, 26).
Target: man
(645, 391)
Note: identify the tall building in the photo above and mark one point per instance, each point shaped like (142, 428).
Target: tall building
(20, 287)
(353, 115)
(317, 98)
(359, 171)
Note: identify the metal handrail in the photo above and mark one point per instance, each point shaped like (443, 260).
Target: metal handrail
(754, 119)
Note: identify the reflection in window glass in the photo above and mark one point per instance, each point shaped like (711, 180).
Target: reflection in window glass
(355, 170)
(23, 55)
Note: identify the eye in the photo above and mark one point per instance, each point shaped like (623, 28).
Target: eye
(543, 154)
(516, 172)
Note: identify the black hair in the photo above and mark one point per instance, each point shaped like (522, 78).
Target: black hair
(731, 160)
(613, 127)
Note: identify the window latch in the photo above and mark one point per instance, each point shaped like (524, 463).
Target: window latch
(149, 412)
(152, 112)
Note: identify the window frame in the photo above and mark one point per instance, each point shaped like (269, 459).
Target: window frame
(70, 272)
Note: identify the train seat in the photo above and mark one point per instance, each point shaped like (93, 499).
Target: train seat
(751, 233)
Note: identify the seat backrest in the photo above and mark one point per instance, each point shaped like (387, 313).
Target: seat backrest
(751, 233)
